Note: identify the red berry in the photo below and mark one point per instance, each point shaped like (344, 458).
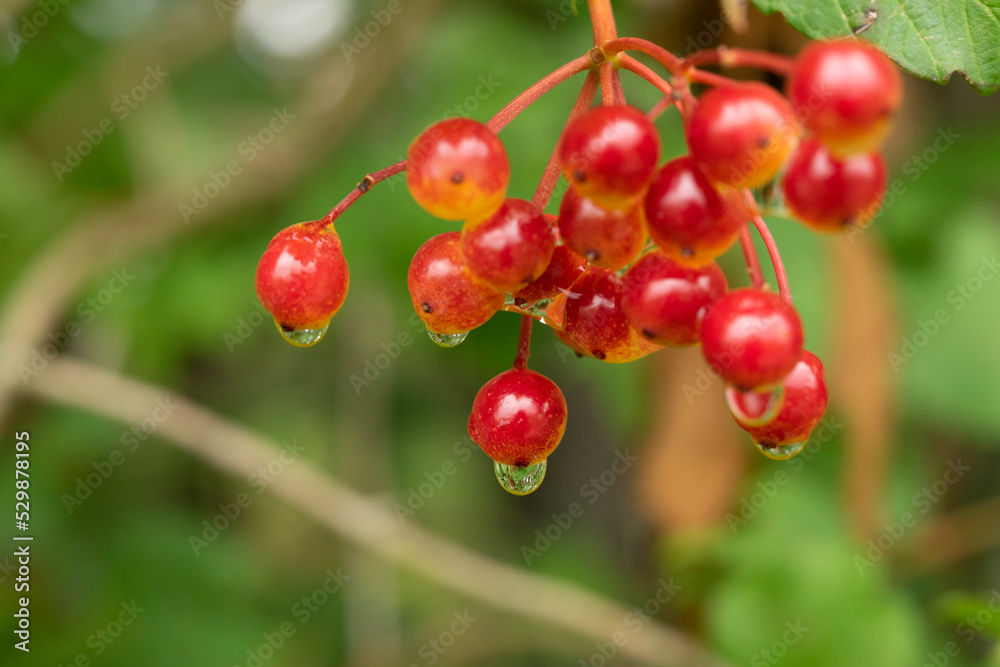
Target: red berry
(688, 217)
(457, 169)
(752, 338)
(564, 268)
(509, 249)
(445, 294)
(804, 404)
(666, 302)
(518, 417)
(609, 154)
(829, 194)
(608, 238)
(302, 277)
(845, 92)
(740, 134)
(596, 322)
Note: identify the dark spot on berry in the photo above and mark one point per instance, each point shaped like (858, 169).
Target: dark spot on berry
(687, 251)
(768, 445)
(764, 141)
(848, 221)
(742, 389)
(520, 302)
(457, 177)
(579, 355)
(579, 175)
(648, 334)
(521, 464)
(598, 354)
(287, 329)
(426, 307)
(592, 255)
(526, 280)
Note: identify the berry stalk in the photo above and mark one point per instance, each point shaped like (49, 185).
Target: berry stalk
(771, 245)
(544, 85)
(364, 186)
(524, 342)
(752, 260)
(729, 57)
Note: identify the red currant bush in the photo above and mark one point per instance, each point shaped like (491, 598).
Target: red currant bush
(846, 93)
(302, 280)
(458, 170)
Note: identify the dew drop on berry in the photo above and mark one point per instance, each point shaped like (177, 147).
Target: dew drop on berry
(447, 340)
(780, 452)
(302, 337)
(754, 408)
(535, 309)
(522, 480)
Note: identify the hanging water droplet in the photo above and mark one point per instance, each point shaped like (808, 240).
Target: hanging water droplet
(780, 452)
(447, 340)
(520, 480)
(302, 337)
(755, 408)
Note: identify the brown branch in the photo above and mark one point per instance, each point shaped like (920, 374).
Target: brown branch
(237, 450)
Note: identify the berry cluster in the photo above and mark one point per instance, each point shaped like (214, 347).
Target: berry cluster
(627, 267)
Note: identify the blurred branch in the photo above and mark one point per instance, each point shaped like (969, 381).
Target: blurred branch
(237, 450)
(949, 538)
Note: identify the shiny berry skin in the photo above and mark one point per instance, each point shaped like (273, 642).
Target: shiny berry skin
(302, 277)
(846, 93)
(608, 238)
(509, 249)
(740, 134)
(752, 338)
(609, 154)
(445, 294)
(828, 193)
(564, 268)
(518, 417)
(688, 217)
(803, 406)
(594, 319)
(457, 169)
(666, 302)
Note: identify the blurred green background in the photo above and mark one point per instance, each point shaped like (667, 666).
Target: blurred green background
(125, 239)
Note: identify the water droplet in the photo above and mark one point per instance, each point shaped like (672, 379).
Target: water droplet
(447, 340)
(520, 480)
(780, 452)
(302, 337)
(755, 408)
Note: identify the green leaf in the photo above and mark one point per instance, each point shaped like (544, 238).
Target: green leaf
(929, 38)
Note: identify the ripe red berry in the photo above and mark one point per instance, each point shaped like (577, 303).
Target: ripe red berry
(445, 294)
(688, 217)
(608, 238)
(752, 338)
(740, 134)
(666, 302)
(595, 321)
(803, 406)
(845, 92)
(302, 280)
(564, 268)
(609, 154)
(829, 194)
(457, 169)
(509, 249)
(518, 417)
